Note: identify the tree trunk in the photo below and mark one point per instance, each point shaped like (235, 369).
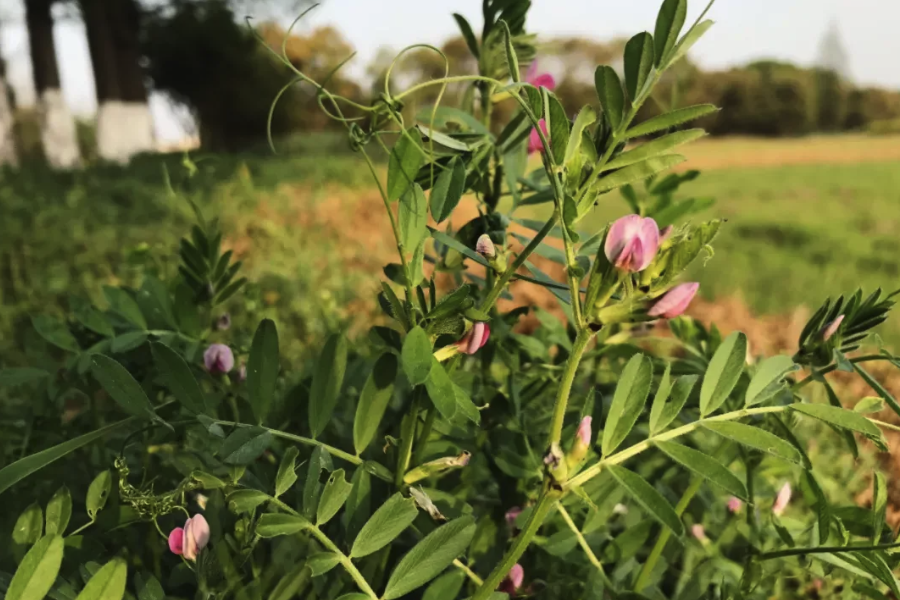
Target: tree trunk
(8, 154)
(58, 133)
(124, 123)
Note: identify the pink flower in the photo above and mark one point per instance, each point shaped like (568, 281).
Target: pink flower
(191, 539)
(782, 500)
(534, 140)
(699, 533)
(632, 243)
(475, 339)
(584, 431)
(735, 504)
(539, 79)
(582, 442)
(675, 301)
(485, 246)
(511, 516)
(831, 328)
(218, 359)
(513, 580)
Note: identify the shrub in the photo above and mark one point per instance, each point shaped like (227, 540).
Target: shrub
(452, 451)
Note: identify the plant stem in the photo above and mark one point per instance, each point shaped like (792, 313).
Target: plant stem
(585, 546)
(301, 440)
(565, 385)
(620, 457)
(885, 425)
(469, 572)
(443, 80)
(519, 545)
(824, 550)
(825, 370)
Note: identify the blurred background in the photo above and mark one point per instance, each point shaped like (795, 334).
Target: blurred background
(101, 99)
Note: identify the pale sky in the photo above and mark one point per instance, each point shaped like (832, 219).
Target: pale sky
(745, 30)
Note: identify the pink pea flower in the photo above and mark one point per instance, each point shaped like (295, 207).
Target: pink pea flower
(475, 339)
(534, 140)
(831, 328)
(485, 246)
(582, 442)
(782, 500)
(191, 539)
(218, 359)
(675, 301)
(539, 79)
(511, 516)
(513, 580)
(632, 243)
(735, 505)
(699, 533)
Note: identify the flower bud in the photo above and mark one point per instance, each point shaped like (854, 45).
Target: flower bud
(699, 533)
(485, 246)
(513, 580)
(675, 301)
(782, 500)
(218, 359)
(534, 140)
(632, 243)
(477, 337)
(436, 466)
(735, 505)
(831, 328)
(582, 442)
(556, 464)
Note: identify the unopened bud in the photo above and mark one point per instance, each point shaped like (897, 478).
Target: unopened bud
(556, 463)
(582, 442)
(831, 328)
(485, 246)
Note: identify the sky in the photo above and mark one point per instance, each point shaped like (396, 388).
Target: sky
(745, 30)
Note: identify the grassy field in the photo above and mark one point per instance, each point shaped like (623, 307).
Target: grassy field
(807, 218)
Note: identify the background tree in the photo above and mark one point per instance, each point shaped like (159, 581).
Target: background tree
(8, 154)
(58, 134)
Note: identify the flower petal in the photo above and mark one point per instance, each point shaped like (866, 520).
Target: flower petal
(621, 232)
(649, 242)
(675, 301)
(176, 541)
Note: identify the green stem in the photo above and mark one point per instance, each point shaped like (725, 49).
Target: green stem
(830, 368)
(519, 545)
(624, 455)
(444, 80)
(409, 435)
(565, 385)
(824, 550)
(469, 572)
(301, 440)
(586, 547)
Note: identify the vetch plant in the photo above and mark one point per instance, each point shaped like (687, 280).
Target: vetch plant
(449, 455)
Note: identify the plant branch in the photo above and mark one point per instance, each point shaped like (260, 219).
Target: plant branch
(585, 546)
(825, 370)
(469, 572)
(824, 550)
(565, 385)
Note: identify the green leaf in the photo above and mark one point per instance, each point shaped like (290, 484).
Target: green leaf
(448, 190)
(441, 390)
(430, 557)
(207, 481)
(38, 570)
(416, 356)
(637, 172)
(21, 376)
(586, 116)
(647, 496)
(121, 303)
(127, 341)
(445, 115)
(29, 526)
(374, 399)
(653, 148)
(98, 494)
(879, 506)
(669, 120)
(275, 524)
(245, 445)
(108, 583)
(467, 34)
(879, 389)
(558, 126)
(156, 303)
(148, 588)
(639, 55)
(413, 217)
(327, 381)
(119, 384)
(333, 497)
(262, 369)
(659, 401)
(512, 61)
(609, 91)
(59, 511)
(628, 402)
(359, 503)
(689, 39)
(287, 475)
(56, 332)
(767, 380)
(407, 157)
(455, 244)
(868, 405)
(88, 315)
(177, 377)
(19, 470)
(723, 373)
(322, 562)
(387, 523)
(844, 419)
(246, 500)
(446, 586)
(669, 22)
(757, 438)
(293, 583)
(704, 466)
(319, 461)
(823, 508)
